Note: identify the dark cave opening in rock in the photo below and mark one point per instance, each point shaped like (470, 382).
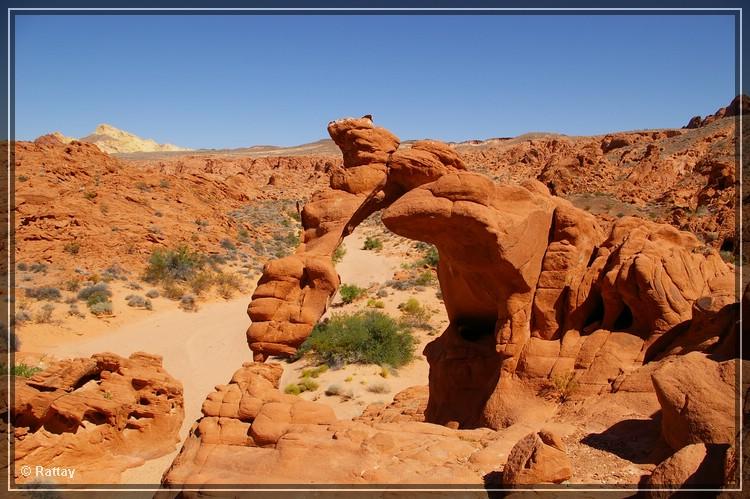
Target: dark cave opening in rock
(625, 320)
(474, 329)
(597, 314)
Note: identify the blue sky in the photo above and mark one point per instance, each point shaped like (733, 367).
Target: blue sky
(235, 81)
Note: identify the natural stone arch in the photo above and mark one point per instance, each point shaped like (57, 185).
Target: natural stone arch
(532, 285)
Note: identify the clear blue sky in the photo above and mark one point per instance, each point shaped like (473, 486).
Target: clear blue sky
(234, 81)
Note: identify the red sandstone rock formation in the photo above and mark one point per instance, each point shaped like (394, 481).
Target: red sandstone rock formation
(532, 285)
(536, 291)
(99, 416)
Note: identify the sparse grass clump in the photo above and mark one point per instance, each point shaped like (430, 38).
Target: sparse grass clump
(373, 243)
(178, 264)
(227, 284)
(44, 314)
(350, 292)
(431, 256)
(187, 303)
(304, 385)
(46, 293)
(22, 370)
(367, 337)
(378, 388)
(564, 385)
(101, 308)
(137, 301)
(72, 247)
(315, 372)
(339, 253)
(333, 390)
(414, 314)
(95, 293)
(373, 303)
(152, 293)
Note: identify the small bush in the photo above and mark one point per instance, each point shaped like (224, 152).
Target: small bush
(378, 388)
(187, 302)
(38, 267)
(22, 370)
(173, 291)
(178, 264)
(373, 243)
(95, 293)
(227, 284)
(431, 257)
(22, 316)
(315, 372)
(292, 389)
(373, 303)
(101, 308)
(23, 178)
(44, 293)
(73, 311)
(164, 183)
(22, 267)
(243, 235)
(425, 278)
(308, 385)
(339, 253)
(333, 390)
(228, 245)
(72, 247)
(367, 337)
(565, 385)
(350, 292)
(137, 301)
(90, 195)
(382, 293)
(152, 293)
(413, 314)
(201, 282)
(44, 314)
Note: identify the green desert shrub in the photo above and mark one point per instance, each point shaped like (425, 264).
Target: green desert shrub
(350, 292)
(23, 370)
(373, 303)
(178, 264)
(414, 314)
(95, 293)
(373, 243)
(366, 337)
(339, 253)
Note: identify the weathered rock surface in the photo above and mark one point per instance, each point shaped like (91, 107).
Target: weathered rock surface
(534, 288)
(697, 397)
(252, 433)
(537, 458)
(99, 416)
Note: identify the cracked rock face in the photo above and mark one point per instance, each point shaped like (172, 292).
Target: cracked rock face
(534, 288)
(98, 416)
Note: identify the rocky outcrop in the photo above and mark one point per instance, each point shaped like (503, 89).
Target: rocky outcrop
(534, 288)
(252, 433)
(536, 459)
(97, 416)
(739, 105)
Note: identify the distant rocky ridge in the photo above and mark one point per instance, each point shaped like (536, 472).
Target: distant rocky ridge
(113, 141)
